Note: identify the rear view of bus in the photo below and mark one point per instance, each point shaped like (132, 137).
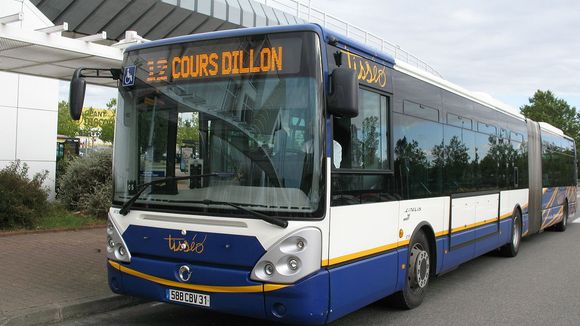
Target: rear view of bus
(219, 195)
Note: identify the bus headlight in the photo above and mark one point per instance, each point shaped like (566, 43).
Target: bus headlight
(293, 263)
(297, 255)
(110, 227)
(269, 269)
(116, 247)
(110, 243)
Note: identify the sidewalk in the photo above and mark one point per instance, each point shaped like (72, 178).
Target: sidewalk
(47, 277)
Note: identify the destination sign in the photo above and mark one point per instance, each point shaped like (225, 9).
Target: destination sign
(202, 60)
(227, 63)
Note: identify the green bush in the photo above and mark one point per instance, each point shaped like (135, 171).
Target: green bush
(61, 166)
(87, 184)
(98, 201)
(22, 200)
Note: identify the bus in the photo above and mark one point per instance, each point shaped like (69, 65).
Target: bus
(319, 175)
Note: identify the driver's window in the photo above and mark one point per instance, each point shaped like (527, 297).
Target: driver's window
(360, 143)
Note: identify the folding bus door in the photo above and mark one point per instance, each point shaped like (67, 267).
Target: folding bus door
(486, 223)
(461, 233)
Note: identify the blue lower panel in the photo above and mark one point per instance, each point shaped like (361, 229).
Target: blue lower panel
(551, 216)
(201, 247)
(115, 280)
(246, 304)
(486, 244)
(442, 244)
(525, 223)
(486, 230)
(457, 256)
(505, 228)
(487, 238)
(461, 250)
(357, 284)
(403, 254)
(304, 303)
(462, 237)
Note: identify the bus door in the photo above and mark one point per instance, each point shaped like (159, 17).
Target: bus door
(461, 234)
(486, 222)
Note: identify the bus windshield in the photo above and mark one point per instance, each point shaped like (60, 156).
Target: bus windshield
(242, 117)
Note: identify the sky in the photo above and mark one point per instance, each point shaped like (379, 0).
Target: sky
(507, 49)
(95, 96)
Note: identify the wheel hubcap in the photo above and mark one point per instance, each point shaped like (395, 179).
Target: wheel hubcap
(516, 233)
(419, 267)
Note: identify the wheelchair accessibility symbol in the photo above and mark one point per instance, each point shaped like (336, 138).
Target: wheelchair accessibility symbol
(129, 76)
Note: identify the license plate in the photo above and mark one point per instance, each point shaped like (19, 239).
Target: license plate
(192, 298)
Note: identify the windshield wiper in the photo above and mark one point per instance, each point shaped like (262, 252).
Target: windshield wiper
(270, 219)
(127, 206)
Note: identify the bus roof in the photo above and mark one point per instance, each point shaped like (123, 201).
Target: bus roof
(333, 37)
(481, 98)
(229, 33)
(549, 127)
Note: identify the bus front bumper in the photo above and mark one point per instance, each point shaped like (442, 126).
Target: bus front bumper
(222, 289)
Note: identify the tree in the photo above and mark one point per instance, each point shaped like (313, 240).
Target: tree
(108, 129)
(546, 107)
(370, 142)
(90, 123)
(112, 104)
(187, 129)
(66, 125)
(108, 125)
(92, 126)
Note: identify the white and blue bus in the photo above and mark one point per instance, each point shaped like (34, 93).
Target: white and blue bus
(291, 174)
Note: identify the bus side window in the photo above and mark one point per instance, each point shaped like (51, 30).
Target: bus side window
(361, 153)
(362, 140)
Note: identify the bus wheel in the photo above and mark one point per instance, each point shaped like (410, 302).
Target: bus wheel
(511, 249)
(561, 227)
(419, 266)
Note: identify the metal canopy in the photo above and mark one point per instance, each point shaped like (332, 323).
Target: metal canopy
(46, 52)
(50, 55)
(156, 19)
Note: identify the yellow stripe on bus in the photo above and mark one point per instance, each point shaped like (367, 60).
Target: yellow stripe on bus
(363, 253)
(441, 233)
(198, 287)
(368, 252)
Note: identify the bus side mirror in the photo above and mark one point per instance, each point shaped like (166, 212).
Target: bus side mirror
(78, 85)
(343, 100)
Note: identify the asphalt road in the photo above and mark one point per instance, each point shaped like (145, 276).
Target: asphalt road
(538, 287)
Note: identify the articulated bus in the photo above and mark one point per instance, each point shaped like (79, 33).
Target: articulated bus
(294, 175)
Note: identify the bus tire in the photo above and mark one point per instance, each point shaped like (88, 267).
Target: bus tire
(418, 273)
(511, 248)
(561, 227)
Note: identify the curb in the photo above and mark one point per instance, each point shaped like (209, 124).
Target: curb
(23, 232)
(60, 312)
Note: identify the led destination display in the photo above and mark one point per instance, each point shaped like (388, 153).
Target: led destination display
(265, 54)
(227, 63)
